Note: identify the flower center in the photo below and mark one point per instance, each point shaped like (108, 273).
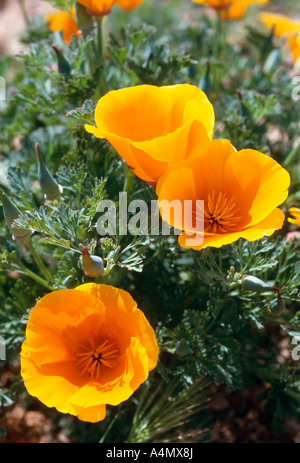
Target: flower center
(220, 214)
(91, 360)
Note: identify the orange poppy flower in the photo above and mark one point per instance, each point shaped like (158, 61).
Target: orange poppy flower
(99, 7)
(294, 44)
(238, 7)
(62, 21)
(240, 193)
(217, 4)
(150, 127)
(295, 212)
(85, 348)
(129, 4)
(282, 25)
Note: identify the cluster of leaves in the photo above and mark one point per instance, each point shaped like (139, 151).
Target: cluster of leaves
(198, 297)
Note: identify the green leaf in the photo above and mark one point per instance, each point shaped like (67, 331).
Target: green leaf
(84, 114)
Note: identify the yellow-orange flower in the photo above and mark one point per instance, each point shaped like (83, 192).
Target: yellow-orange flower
(217, 4)
(241, 192)
(85, 348)
(282, 25)
(98, 7)
(238, 7)
(62, 21)
(129, 4)
(150, 127)
(294, 44)
(295, 212)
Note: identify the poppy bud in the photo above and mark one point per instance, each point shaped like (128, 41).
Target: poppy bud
(251, 283)
(64, 67)
(205, 81)
(272, 61)
(280, 307)
(84, 20)
(49, 186)
(92, 265)
(113, 255)
(182, 348)
(67, 280)
(11, 213)
(244, 111)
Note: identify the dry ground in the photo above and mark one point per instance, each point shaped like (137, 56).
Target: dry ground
(12, 22)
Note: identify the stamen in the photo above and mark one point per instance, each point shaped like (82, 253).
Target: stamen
(220, 214)
(91, 360)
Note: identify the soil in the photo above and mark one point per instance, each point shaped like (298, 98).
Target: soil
(236, 417)
(12, 22)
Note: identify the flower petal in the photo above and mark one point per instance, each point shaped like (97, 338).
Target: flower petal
(266, 227)
(122, 311)
(135, 373)
(258, 182)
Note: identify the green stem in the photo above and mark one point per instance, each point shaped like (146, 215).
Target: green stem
(99, 40)
(291, 156)
(220, 45)
(102, 88)
(37, 278)
(219, 33)
(24, 12)
(45, 272)
(129, 179)
(101, 441)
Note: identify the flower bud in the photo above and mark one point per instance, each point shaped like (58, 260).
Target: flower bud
(67, 280)
(280, 307)
(64, 67)
(251, 283)
(11, 213)
(113, 255)
(49, 186)
(205, 81)
(182, 348)
(244, 111)
(92, 265)
(84, 20)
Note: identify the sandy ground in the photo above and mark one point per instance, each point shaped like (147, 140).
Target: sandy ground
(12, 21)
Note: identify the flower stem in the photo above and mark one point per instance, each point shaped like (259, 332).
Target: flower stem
(105, 434)
(220, 45)
(24, 12)
(37, 278)
(218, 37)
(100, 40)
(102, 89)
(129, 179)
(291, 156)
(45, 272)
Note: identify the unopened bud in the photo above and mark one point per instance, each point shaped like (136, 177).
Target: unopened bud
(251, 283)
(244, 111)
(280, 306)
(182, 348)
(84, 21)
(114, 254)
(64, 67)
(92, 265)
(205, 81)
(11, 213)
(67, 280)
(49, 186)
